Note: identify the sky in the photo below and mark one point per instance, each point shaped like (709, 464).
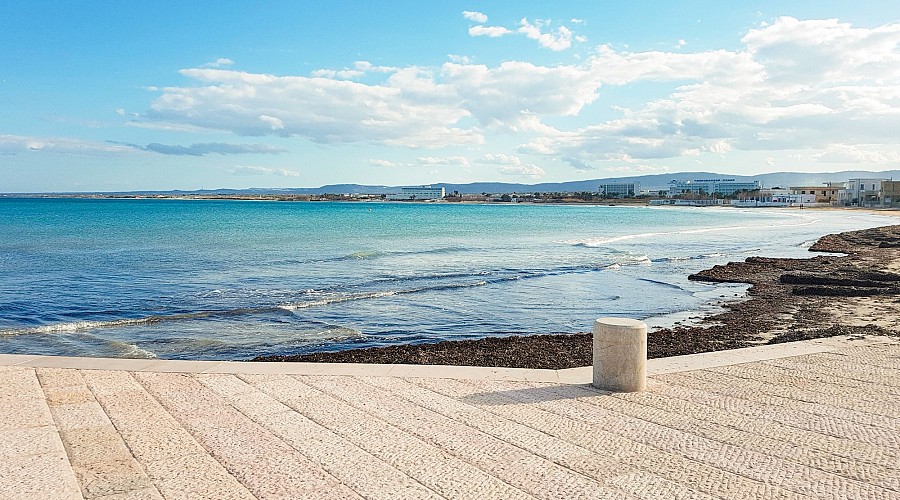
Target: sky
(119, 96)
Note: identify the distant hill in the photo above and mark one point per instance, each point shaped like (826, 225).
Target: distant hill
(660, 181)
(655, 181)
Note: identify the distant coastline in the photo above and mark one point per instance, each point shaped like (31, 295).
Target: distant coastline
(631, 202)
(314, 198)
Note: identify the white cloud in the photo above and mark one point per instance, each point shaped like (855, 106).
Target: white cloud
(458, 59)
(388, 164)
(342, 74)
(424, 161)
(202, 149)
(501, 159)
(794, 85)
(273, 122)
(219, 63)
(16, 144)
(558, 40)
(489, 31)
(522, 170)
(255, 170)
(453, 161)
(478, 17)
(409, 109)
(515, 94)
(512, 165)
(414, 107)
(641, 169)
(844, 153)
(359, 69)
(797, 85)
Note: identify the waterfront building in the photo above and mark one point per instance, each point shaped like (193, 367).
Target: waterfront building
(862, 192)
(418, 193)
(620, 189)
(722, 187)
(890, 193)
(776, 200)
(824, 194)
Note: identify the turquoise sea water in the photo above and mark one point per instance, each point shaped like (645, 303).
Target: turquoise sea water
(233, 279)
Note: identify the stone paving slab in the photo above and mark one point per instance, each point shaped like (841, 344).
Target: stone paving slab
(817, 419)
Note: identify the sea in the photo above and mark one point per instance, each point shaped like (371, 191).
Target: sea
(231, 280)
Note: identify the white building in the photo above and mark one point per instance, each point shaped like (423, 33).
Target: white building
(620, 189)
(777, 200)
(862, 192)
(418, 193)
(723, 187)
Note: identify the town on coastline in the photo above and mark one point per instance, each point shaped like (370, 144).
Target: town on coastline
(698, 192)
(855, 192)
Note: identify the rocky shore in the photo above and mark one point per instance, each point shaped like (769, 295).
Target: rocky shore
(789, 300)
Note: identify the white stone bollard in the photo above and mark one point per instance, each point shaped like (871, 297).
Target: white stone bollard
(620, 355)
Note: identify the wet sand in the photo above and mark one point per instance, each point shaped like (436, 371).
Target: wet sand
(789, 299)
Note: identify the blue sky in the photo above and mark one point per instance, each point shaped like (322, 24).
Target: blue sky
(168, 95)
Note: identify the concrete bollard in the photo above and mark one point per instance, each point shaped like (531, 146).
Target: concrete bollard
(620, 355)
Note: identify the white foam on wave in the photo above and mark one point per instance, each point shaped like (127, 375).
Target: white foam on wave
(337, 299)
(126, 350)
(77, 326)
(604, 241)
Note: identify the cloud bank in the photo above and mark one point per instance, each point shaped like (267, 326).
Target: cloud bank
(819, 85)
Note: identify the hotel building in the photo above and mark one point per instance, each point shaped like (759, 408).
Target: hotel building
(418, 193)
(620, 189)
(723, 187)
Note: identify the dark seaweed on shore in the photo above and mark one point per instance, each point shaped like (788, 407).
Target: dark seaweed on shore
(789, 300)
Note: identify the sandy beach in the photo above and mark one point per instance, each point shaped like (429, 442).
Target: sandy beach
(856, 293)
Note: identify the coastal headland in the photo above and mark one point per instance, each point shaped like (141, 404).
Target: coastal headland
(856, 292)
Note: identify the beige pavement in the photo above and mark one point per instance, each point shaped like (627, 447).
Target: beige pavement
(816, 419)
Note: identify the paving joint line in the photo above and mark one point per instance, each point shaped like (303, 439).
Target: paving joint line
(725, 393)
(416, 436)
(270, 431)
(738, 415)
(725, 443)
(502, 439)
(664, 452)
(645, 443)
(188, 431)
(806, 397)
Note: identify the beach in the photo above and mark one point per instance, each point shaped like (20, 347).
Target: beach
(789, 299)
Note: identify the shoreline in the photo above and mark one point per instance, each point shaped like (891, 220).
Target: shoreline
(857, 293)
(310, 198)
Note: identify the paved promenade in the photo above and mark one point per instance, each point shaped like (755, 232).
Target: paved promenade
(814, 419)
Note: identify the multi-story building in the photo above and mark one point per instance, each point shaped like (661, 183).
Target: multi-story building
(862, 192)
(824, 194)
(890, 193)
(418, 193)
(775, 200)
(620, 189)
(723, 187)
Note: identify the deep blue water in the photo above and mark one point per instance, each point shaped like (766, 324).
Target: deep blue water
(234, 279)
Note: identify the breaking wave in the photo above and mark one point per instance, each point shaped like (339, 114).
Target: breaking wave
(604, 241)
